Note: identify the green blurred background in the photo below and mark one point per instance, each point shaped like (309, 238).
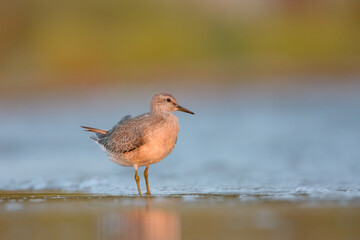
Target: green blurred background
(58, 44)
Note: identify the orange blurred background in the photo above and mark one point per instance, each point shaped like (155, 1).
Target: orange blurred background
(52, 45)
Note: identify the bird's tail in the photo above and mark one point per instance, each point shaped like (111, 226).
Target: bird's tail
(95, 130)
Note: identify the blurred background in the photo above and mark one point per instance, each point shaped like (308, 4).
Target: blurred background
(273, 83)
(271, 153)
(47, 45)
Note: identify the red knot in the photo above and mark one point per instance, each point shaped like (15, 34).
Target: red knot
(142, 140)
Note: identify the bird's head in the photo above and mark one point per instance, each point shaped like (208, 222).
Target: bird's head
(165, 102)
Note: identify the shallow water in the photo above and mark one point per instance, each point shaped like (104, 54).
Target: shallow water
(251, 164)
(58, 215)
(259, 146)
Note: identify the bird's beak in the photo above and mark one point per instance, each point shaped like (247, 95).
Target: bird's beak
(180, 108)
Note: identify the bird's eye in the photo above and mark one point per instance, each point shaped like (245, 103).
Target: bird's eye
(168, 100)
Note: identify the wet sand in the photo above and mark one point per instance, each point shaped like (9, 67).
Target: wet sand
(59, 215)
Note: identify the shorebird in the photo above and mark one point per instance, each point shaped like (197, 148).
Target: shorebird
(142, 140)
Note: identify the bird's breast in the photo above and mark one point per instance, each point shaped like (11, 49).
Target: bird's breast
(160, 141)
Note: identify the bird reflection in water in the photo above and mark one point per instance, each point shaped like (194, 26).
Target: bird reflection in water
(140, 223)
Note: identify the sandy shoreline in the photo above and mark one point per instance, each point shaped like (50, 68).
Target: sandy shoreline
(58, 215)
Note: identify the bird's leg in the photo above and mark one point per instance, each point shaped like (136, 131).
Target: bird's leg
(137, 179)
(147, 181)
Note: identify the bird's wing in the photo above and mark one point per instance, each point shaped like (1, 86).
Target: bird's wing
(117, 126)
(127, 135)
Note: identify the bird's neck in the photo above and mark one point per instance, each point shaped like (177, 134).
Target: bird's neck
(162, 113)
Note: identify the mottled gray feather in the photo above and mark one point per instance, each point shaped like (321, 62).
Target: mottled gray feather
(128, 134)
